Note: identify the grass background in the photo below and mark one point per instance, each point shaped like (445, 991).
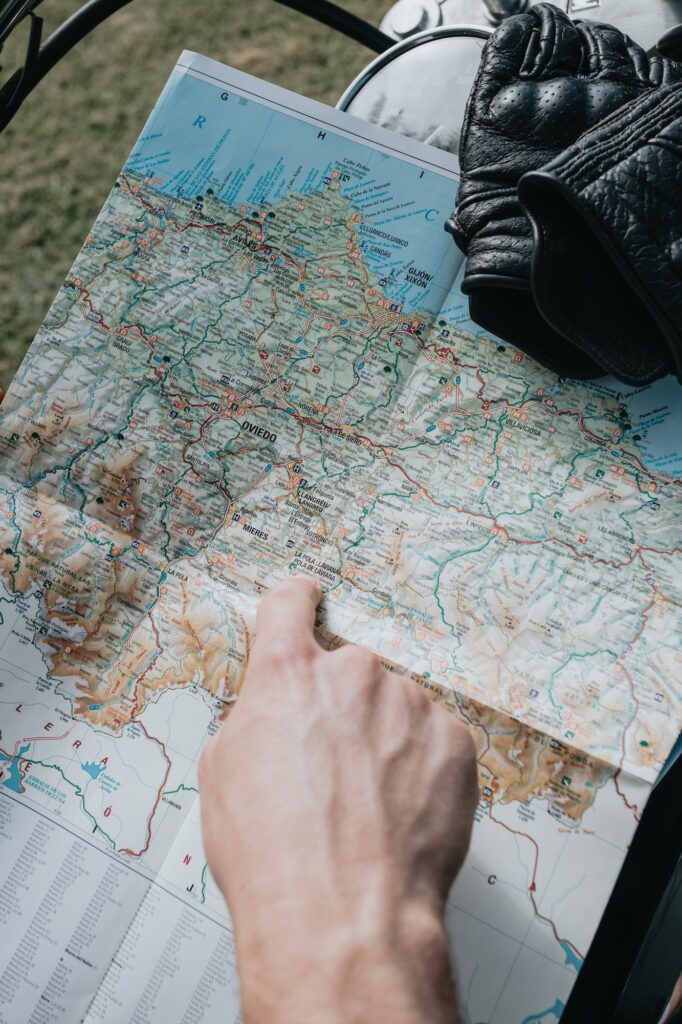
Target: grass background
(59, 157)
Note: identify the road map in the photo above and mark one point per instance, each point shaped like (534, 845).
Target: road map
(261, 364)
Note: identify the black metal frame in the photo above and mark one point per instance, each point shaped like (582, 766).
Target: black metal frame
(637, 942)
(40, 60)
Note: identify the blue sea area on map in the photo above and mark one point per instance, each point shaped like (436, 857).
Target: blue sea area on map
(572, 958)
(656, 418)
(13, 780)
(250, 154)
(546, 1016)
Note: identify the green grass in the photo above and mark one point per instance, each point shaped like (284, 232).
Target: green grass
(59, 157)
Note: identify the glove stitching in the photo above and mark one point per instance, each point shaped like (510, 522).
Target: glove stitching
(668, 144)
(609, 134)
(589, 154)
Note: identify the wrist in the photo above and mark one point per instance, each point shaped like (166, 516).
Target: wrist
(313, 967)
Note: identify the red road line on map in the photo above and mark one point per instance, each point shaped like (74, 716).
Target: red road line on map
(474, 725)
(33, 739)
(532, 886)
(150, 666)
(550, 409)
(634, 808)
(310, 421)
(441, 352)
(36, 739)
(144, 849)
(633, 717)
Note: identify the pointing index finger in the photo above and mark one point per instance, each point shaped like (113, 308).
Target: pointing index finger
(286, 617)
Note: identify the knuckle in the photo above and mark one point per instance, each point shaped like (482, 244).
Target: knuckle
(358, 660)
(462, 738)
(283, 650)
(417, 698)
(465, 759)
(459, 729)
(456, 734)
(419, 693)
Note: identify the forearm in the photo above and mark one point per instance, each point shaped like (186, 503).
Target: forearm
(337, 803)
(316, 972)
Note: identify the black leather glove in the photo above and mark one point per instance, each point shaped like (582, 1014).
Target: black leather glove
(607, 220)
(543, 80)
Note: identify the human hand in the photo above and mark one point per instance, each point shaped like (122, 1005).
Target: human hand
(337, 805)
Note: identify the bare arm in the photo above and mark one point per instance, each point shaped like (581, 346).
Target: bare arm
(337, 804)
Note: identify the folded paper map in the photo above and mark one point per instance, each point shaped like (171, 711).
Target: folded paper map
(260, 365)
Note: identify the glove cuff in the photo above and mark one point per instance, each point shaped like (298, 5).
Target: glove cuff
(618, 137)
(507, 311)
(607, 265)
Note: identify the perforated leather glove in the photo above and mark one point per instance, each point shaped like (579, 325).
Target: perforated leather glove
(607, 219)
(543, 81)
